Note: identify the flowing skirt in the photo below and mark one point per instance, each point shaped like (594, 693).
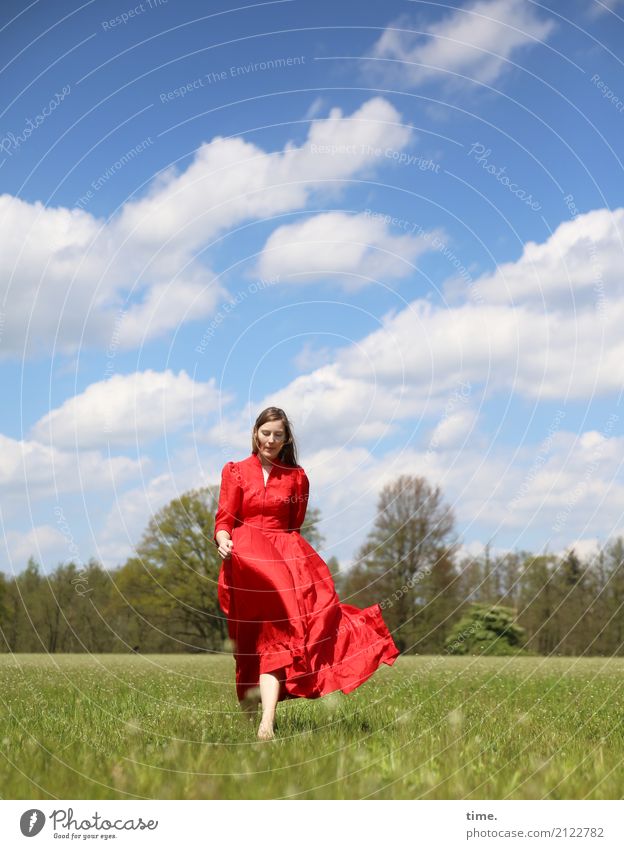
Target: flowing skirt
(284, 616)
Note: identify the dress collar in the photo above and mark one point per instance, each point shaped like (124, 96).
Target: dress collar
(273, 465)
(259, 462)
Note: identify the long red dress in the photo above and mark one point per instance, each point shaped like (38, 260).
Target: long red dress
(278, 594)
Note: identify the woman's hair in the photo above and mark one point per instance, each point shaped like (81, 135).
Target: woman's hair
(288, 454)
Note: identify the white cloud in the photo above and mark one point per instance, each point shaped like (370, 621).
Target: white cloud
(574, 495)
(476, 41)
(544, 346)
(244, 182)
(312, 356)
(165, 307)
(596, 8)
(578, 265)
(453, 429)
(30, 470)
(70, 276)
(585, 549)
(476, 549)
(41, 542)
(523, 351)
(129, 410)
(573, 488)
(314, 108)
(328, 405)
(417, 362)
(352, 250)
(128, 517)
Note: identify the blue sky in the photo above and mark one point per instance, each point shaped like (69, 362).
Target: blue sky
(401, 222)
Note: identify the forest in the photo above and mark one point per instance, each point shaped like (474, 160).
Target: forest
(164, 597)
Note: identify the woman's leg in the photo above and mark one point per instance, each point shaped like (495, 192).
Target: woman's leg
(269, 692)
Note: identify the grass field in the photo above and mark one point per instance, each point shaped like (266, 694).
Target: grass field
(168, 727)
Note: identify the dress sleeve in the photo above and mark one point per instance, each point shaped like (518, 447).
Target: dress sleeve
(229, 500)
(300, 502)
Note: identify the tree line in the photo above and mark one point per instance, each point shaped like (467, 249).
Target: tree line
(164, 597)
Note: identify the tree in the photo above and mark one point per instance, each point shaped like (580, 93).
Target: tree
(486, 629)
(178, 554)
(442, 605)
(609, 612)
(576, 588)
(489, 589)
(334, 570)
(309, 529)
(538, 603)
(91, 610)
(412, 537)
(165, 596)
(4, 619)
(26, 601)
(57, 596)
(139, 612)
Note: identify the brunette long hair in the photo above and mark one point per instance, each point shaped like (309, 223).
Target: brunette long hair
(288, 454)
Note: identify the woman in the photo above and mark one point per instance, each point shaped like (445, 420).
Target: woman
(292, 636)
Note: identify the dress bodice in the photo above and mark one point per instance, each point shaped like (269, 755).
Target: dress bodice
(244, 498)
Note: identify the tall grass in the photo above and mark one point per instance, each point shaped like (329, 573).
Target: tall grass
(169, 727)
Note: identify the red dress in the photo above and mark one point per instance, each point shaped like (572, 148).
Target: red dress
(278, 594)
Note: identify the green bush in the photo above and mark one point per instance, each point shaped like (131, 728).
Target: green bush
(486, 630)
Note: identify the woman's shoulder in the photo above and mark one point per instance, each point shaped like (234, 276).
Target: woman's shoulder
(231, 468)
(234, 463)
(239, 468)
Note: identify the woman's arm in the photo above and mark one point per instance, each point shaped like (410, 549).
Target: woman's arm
(229, 504)
(300, 500)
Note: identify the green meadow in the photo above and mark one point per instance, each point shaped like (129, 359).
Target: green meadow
(432, 727)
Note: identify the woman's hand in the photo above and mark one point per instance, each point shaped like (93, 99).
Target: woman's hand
(225, 544)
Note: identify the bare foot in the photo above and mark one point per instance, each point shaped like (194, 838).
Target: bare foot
(265, 731)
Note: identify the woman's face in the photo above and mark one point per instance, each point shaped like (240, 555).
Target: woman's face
(271, 437)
